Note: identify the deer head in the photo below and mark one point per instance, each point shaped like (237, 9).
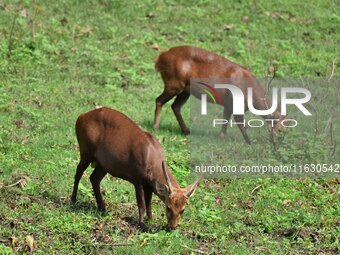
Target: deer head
(175, 199)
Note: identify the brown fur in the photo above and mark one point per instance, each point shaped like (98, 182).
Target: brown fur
(116, 145)
(180, 64)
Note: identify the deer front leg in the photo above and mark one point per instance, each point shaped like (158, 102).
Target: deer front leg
(148, 197)
(141, 204)
(241, 124)
(160, 101)
(226, 114)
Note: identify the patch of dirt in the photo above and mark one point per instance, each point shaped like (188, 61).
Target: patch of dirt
(303, 233)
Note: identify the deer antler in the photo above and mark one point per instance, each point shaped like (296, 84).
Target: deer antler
(191, 188)
(168, 182)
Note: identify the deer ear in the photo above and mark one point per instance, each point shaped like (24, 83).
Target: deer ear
(162, 189)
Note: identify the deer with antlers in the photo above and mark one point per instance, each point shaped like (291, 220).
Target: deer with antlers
(115, 144)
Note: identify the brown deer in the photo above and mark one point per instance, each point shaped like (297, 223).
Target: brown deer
(115, 144)
(181, 64)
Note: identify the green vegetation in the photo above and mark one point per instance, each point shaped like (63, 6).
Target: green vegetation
(62, 58)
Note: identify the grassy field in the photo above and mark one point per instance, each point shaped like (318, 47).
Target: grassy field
(59, 59)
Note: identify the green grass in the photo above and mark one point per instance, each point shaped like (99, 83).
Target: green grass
(65, 57)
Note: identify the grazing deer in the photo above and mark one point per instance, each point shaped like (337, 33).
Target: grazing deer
(179, 65)
(115, 144)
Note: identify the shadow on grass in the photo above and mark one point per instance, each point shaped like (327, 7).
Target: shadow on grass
(148, 228)
(131, 221)
(168, 127)
(85, 207)
(79, 206)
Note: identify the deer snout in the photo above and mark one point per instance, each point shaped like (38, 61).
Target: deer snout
(172, 221)
(170, 227)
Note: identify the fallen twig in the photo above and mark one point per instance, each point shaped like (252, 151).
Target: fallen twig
(33, 18)
(328, 123)
(334, 148)
(113, 244)
(10, 37)
(256, 189)
(332, 140)
(14, 184)
(331, 131)
(333, 71)
(194, 250)
(270, 77)
(316, 118)
(22, 182)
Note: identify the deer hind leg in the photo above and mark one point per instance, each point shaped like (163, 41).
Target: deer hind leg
(160, 101)
(96, 177)
(177, 106)
(241, 124)
(83, 164)
(172, 88)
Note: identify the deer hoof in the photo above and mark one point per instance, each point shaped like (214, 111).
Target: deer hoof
(73, 200)
(186, 131)
(221, 135)
(143, 227)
